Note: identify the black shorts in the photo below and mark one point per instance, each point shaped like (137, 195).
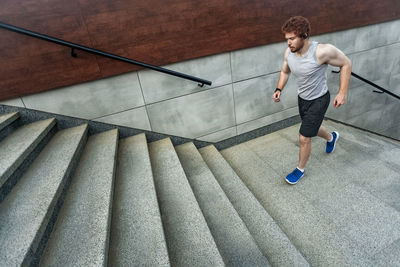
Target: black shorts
(312, 114)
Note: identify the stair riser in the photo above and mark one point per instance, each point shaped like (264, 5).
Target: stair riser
(18, 173)
(189, 239)
(10, 128)
(235, 243)
(81, 232)
(137, 236)
(51, 217)
(27, 211)
(270, 238)
(64, 122)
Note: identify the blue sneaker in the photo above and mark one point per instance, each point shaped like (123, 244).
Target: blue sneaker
(330, 146)
(294, 176)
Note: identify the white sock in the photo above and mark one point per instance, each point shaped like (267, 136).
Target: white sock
(331, 138)
(302, 170)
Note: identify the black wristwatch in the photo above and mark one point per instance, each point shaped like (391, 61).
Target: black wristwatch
(277, 89)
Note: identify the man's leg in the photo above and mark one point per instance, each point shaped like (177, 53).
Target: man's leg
(304, 154)
(305, 150)
(323, 132)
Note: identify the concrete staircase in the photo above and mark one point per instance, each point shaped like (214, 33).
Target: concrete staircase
(69, 199)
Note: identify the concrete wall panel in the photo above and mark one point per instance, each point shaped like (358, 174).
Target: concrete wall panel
(253, 98)
(344, 40)
(390, 115)
(377, 35)
(134, 118)
(369, 120)
(159, 86)
(91, 100)
(394, 83)
(257, 61)
(267, 120)
(194, 115)
(219, 136)
(363, 99)
(16, 102)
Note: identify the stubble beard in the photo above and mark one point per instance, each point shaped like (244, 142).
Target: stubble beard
(296, 49)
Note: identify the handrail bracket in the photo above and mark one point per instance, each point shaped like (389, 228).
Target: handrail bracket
(73, 54)
(382, 90)
(74, 46)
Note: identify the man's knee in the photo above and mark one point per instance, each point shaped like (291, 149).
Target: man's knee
(304, 140)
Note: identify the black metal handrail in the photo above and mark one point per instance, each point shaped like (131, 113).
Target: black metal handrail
(74, 46)
(383, 90)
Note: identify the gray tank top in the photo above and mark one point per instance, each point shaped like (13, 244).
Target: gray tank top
(310, 76)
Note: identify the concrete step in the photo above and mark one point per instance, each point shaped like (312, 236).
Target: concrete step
(314, 235)
(369, 144)
(81, 233)
(367, 198)
(15, 148)
(235, 243)
(28, 209)
(359, 158)
(272, 241)
(328, 215)
(7, 119)
(365, 135)
(137, 236)
(189, 239)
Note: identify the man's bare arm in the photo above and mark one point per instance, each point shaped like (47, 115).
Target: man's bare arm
(283, 77)
(285, 72)
(329, 54)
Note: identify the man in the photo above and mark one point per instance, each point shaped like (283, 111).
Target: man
(308, 61)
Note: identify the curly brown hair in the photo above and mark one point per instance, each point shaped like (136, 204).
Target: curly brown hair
(297, 24)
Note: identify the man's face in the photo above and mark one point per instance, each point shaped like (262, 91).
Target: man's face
(295, 43)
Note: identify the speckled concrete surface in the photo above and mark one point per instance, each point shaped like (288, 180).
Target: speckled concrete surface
(338, 213)
(235, 243)
(189, 239)
(137, 235)
(81, 233)
(6, 119)
(25, 212)
(270, 238)
(17, 146)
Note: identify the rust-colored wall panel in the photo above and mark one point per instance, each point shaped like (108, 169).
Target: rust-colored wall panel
(36, 72)
(153, 31)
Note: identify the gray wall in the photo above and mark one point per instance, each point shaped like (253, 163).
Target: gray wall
(374, 52)
(240, 98)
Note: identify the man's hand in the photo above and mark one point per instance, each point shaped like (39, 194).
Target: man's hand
(340, 99)
(276, 96)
